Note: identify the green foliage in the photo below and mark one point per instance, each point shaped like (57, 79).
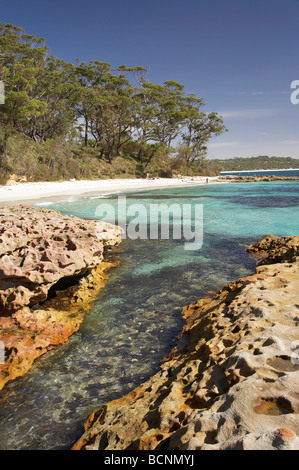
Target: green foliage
(82, 120)
(262, 162)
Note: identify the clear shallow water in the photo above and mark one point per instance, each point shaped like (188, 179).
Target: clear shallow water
(138, 315)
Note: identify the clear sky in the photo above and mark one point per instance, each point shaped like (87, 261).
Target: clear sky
(239, 55)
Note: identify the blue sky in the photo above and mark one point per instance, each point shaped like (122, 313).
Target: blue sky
(239, 55)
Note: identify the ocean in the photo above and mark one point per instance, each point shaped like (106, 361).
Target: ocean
(137, 317)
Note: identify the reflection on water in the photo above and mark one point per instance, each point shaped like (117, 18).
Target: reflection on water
(134, 323)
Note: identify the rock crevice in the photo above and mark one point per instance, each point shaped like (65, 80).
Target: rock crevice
(52, 268)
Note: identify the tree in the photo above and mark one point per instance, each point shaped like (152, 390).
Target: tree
(199, 129)
(168, 113)
(87, 78)
(37, 87)
(48, 98)
(112, 121)
(22, 62)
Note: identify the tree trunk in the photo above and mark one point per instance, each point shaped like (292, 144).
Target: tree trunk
(149, 159)
(140, 155)
(100, 156)
(86, 133)
(109, 156)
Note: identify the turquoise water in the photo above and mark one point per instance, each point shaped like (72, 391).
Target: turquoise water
(138, 315)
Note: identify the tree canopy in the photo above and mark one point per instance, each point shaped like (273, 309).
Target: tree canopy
(99, 107)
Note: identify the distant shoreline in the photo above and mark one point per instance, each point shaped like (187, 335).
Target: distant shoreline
(258, 171)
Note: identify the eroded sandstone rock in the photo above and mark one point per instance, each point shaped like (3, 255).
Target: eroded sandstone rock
(232, 380)
(51, 271)
(273, 249)
(38, 247)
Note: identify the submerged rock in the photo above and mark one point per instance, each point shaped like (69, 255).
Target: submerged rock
(232, 380)
(51, 270)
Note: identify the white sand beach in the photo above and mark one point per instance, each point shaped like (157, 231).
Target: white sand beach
(51, 191)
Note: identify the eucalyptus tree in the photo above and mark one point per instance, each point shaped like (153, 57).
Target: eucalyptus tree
(22, 63)
(112, 119)
(168, 114)
(45, 98)
(145, 118)
(55, 88)
(159, 117)
(87, 80)
(37, 88)
(199, 129)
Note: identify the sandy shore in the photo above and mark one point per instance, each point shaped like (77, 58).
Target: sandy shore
(51, 191)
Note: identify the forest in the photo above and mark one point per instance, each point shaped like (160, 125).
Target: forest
(262, 162)
(61, 120)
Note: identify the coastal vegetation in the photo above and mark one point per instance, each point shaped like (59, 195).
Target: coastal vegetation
(262, 162)
(62, 120)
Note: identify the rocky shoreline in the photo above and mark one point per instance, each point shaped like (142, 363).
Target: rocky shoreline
(231, 382)
(256, 178)
(52, 268)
